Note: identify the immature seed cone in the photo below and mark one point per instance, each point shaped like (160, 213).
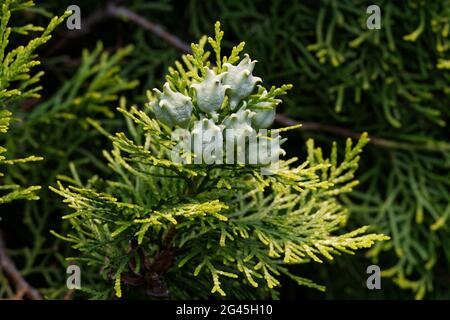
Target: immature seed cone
(265, 112)
(172, 108)
(210, 92)
(240, 79)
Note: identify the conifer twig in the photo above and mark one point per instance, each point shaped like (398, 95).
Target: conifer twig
(23, 287)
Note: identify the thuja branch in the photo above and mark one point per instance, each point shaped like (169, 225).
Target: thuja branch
(22, 286)
(192, 226)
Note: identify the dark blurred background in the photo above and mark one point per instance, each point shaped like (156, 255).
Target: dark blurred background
(393, 83)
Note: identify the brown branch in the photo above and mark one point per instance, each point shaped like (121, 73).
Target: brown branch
(168, 237)
(19, 294)
(111, 10)
(23, 288)
(69, 294)
(156, 29)
(379, 142)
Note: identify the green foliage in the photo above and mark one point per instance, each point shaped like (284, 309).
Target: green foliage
(392, 83)
(184, 230)
(13, 191)
(16, 84)
(87, 92)
(16, 64)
